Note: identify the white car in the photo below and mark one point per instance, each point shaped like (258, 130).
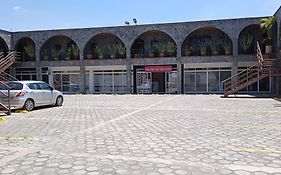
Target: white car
(29, 94)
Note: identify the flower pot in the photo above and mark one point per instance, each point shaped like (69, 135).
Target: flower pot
(90, 56)
(203, 52)
(227, 52)
(268, 49)
(112, 56)
(188, 53)
(138, 56)
(162, 54)
(151, 55)
(215, 53)
(100, 57)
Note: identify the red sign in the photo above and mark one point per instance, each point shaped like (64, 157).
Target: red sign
(158, 68)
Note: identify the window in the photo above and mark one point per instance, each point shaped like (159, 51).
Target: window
(15, 86)
(44, 86)
(34, 86)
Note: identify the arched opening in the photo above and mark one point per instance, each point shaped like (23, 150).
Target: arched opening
(3, 46)
(153, 44)
(207, 41)
(26, 47)
(248, 38)
(105, 46)
(59, 48)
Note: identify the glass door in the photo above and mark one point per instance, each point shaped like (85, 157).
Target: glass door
(171, 82)
(144, 82)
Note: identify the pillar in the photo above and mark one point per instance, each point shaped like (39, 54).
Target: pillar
(82, 73)
(91, 81)
(38, 66)
(179, 69)
(128, 72)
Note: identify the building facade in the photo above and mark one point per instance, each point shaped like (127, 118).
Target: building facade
(189, 57)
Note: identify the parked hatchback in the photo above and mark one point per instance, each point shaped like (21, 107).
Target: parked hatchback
(30, 94)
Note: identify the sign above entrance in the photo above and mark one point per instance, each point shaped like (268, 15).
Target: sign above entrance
(158, 68)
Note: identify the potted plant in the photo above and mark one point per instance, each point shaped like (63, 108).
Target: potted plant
(161, 49)
(203, 49)
(45, 55)
(121, 50)
(112, 50)
(188, 51)
(214, 46)
(227, 47)
(56, 54)
(151, 51)
(75, 52)
(266, 25)
(68, 53)
(246, 42)
(170, 48)
(90, 55)
(100, 52)
(29, 50)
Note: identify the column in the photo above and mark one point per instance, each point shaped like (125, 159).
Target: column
(38, 73)
(179, 69)
(91, 81)
(128, 71)
(234, 67)
(51, 77)
(82, 73)
(38, 66)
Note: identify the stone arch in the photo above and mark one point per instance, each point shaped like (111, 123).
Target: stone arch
(3, 46)
(153, 43)
(251, 31)
(59, 47)
(105, 46)
(207, 41)
(26, 47)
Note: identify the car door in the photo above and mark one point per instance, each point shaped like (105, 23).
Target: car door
(35, 93)
(46, 93)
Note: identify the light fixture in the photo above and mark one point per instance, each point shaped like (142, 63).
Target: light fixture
(135, 21)
(126, 22)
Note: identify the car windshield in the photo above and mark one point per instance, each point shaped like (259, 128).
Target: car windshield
(15, 85)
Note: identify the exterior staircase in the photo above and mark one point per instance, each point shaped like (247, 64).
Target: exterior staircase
(267, 66)
(5, 63)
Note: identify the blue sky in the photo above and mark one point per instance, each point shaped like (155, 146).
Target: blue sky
(18, 15)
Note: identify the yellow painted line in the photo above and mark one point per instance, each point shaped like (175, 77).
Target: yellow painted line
(21, 111)
(15, 138)
(2, 119)
(257, 150)
(255, 126)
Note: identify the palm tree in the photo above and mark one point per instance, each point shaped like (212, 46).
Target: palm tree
(266, 24)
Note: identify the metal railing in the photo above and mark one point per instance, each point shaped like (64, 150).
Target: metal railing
(264, 68)
(6, 108)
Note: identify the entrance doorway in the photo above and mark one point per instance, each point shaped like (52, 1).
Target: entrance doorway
(155, 79)
(158, 82)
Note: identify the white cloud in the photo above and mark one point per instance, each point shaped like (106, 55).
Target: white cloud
(20, 9)
(16, 8)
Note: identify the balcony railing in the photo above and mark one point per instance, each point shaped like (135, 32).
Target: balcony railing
(140, 53)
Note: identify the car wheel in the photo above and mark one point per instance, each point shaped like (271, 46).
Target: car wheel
(59, 101)
(29, 105)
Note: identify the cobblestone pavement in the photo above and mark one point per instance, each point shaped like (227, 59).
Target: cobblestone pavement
(139, 134)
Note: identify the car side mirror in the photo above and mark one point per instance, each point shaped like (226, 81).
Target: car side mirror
(51, 88)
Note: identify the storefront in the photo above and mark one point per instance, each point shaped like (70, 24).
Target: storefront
(65, 79)
(155, 79)
(205, 80)
(106, 79)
